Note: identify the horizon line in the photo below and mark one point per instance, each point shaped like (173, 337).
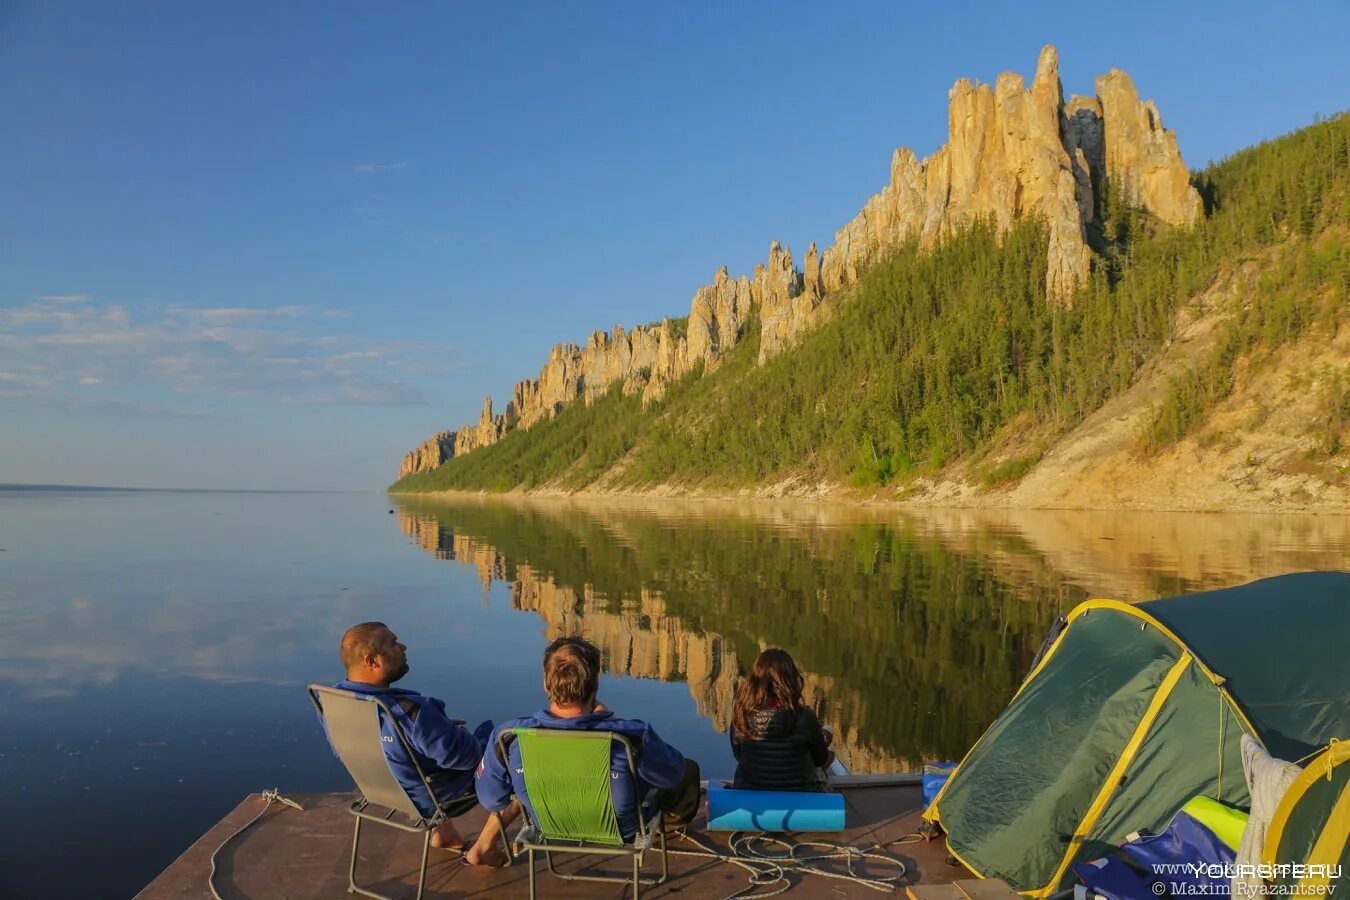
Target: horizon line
(45, 486)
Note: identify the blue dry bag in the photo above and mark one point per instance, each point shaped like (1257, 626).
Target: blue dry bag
(935, 775)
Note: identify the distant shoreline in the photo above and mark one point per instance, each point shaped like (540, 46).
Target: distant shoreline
(114, 489)
(825, 495)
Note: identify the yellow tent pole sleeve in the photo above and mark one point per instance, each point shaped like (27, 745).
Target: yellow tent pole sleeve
(1217, 680)
(1108, 788)
(1059, 641)
(958, 858)
(934, 813)
(1326, 853)
(1321, 766)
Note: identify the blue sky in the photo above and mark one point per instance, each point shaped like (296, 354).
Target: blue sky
(262, 245)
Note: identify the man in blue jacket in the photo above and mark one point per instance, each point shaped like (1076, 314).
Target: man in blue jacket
(447, 751)
(572, 682)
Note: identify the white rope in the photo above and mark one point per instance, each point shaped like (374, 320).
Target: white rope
(767, 870)
(272, 796)
(763, 871)
(771, 869)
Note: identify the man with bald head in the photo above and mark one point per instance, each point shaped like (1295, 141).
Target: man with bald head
(447, 751)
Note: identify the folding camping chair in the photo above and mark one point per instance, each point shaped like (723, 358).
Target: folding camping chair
(353, 722)
(567, 779)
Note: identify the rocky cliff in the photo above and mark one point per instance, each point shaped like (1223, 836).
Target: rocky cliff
(1012, 151)
(429, 454)
(447, 444)
(1015, 151)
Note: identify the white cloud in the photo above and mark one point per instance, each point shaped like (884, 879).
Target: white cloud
(225, 315)
(78, 642)
(281, 352)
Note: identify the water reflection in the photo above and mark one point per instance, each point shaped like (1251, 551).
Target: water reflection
(914, 629)
(157, 645)
(910, 646)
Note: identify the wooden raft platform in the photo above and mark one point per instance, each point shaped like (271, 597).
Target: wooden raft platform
(288, 855)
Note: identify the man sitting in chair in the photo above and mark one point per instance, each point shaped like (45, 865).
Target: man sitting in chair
(448, 752)
(572, 682)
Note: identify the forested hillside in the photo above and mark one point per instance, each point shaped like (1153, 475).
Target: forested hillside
(954, 363)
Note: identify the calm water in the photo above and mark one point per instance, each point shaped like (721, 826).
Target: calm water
(154, 647)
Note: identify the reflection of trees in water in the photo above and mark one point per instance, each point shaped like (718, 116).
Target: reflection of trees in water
(912, 647)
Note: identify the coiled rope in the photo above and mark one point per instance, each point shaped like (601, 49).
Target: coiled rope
(272, 796)
(770, 870)
(748, 850)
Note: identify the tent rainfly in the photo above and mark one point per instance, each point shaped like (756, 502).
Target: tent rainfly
(1135, 709)
(1311, 826)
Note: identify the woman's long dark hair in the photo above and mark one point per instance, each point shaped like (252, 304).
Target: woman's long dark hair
(774, 682)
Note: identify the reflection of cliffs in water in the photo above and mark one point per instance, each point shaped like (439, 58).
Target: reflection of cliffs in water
(1125, 554)
(914, 629)
(639, 639)
(1135, 556)
(910, 647)
(643, 640)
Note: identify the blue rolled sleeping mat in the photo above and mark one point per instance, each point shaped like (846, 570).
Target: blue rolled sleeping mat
(730, 810)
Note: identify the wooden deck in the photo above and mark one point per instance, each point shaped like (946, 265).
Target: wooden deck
(290, 854)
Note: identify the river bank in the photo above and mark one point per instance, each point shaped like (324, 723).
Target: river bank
(1169, 496)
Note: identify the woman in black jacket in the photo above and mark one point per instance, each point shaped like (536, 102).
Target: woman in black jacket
(778, 742)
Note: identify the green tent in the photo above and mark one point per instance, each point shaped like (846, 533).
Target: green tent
(1308, 842)
(1135, 709)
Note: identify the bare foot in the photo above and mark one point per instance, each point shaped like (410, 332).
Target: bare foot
(490, 857)
(446, 837)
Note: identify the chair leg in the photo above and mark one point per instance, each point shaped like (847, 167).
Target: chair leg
(353, 887)
(665, 859)
(356, 846)
(531, 873)
(637, 876)
(506, 842)
(422, 872)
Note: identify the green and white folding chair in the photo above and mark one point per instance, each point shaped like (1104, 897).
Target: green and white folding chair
(567, 779)
(353, 723)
